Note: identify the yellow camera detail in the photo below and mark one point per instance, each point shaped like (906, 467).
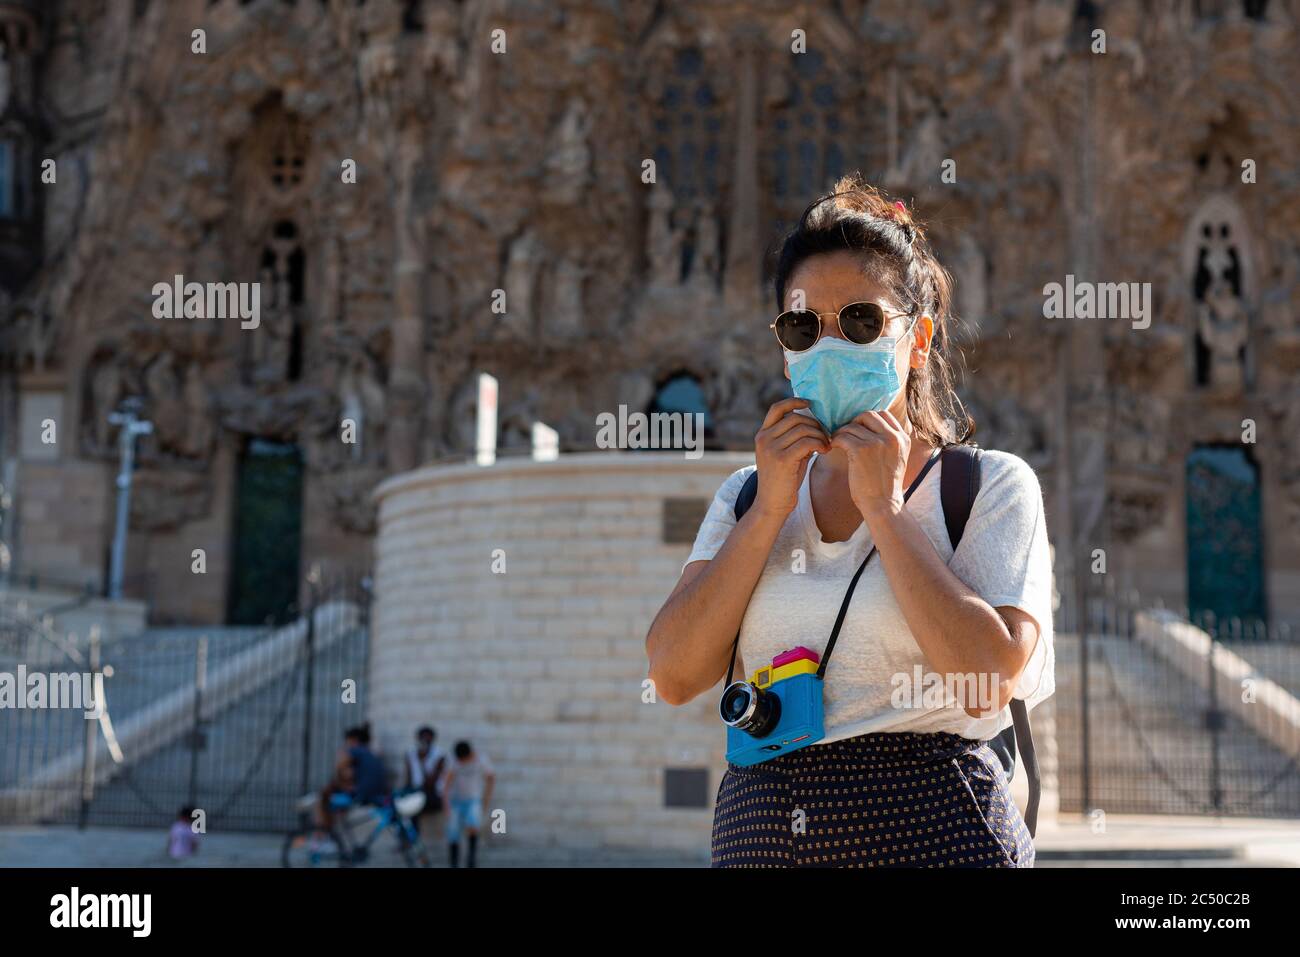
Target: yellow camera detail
(768, 675)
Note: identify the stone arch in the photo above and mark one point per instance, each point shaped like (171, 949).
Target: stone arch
(1219, 212)
(682, 390)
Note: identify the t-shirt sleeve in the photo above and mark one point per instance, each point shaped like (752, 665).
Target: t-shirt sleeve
(720, 518)
(1004, 558)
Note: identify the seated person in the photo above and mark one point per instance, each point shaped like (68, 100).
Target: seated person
(359, 778)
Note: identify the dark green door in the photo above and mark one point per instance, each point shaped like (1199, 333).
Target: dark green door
(1225, 552)
(268, 534)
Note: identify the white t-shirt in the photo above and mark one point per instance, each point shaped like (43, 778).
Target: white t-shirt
(421, 768)
(1003, 557)
(468, 778)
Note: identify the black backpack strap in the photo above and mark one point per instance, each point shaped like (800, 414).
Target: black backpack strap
(748, 492)
(959, 483)
(848, 595)
(1024, 739)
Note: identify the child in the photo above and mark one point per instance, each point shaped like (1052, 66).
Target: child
(182, 842)
(468, 789)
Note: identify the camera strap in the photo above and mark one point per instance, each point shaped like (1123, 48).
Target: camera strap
(848, 595)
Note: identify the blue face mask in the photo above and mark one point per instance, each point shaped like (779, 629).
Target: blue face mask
(841, 379)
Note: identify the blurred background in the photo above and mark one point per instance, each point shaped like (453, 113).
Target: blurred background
(179, 507)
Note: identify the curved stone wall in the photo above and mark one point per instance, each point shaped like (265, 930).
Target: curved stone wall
(542, 665)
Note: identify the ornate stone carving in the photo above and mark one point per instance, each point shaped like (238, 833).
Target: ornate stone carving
(361, 399)
(1281, 299)
(272, 340)
(663, 239)
(347, 495)
(1221, 325)
(164, 500)
(568, 160)
(706, 264)
(566, 314)
(36, 332)
(523, 263)
(1135, 507)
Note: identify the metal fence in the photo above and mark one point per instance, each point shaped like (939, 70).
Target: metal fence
(236, 721)
(1155, 714)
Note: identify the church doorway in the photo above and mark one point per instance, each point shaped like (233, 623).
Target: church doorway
(264, 573)
(1225, 550)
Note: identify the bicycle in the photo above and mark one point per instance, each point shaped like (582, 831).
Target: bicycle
(394, 813)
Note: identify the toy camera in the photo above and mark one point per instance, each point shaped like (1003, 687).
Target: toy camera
(778, 710)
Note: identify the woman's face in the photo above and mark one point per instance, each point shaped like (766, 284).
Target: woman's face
(833, 280)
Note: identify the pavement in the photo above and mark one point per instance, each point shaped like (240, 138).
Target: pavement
(1071, 841)
(146, 847)
(1168, 841)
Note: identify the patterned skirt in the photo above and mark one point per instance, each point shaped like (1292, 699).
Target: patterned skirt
(877, 800)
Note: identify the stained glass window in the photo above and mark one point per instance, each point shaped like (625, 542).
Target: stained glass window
(804, 135)
(688, 125)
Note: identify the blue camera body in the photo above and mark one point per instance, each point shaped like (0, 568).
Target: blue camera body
(801, 723)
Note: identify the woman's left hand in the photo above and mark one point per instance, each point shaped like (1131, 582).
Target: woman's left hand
(877, 449)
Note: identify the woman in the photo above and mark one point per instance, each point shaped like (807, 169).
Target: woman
(899, 779)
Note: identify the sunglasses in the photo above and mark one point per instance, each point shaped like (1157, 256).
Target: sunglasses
(862, 322)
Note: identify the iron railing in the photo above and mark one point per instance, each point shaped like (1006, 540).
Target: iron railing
(235, 721)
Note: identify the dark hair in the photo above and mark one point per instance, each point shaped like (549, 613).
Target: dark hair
(857, 217)
(361, 734)
(433, 735)
(463, 750)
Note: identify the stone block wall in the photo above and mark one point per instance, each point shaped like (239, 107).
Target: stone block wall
(541, 665)
(64, 521)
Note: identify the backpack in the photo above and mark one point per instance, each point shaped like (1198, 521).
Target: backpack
(959, 483)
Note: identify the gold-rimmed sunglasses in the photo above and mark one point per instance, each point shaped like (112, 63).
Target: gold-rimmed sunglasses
(861, 322)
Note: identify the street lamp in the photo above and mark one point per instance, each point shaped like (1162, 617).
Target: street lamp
(130, 428)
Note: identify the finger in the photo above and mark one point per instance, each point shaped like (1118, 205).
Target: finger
(893, 420)
(790, 421)
(859, 432)
(875, 422)
(799, 433)
(850, 441)
(805, 447)
(779, 409)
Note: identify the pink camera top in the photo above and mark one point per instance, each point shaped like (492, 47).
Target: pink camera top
(797, 653)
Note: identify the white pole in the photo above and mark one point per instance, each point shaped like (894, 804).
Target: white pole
(546, 443)
(131, 427)
(485, 444)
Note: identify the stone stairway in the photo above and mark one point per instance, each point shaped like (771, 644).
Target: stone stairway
(1151, 749)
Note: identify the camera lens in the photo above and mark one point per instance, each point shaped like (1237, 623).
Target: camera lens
(749, 708)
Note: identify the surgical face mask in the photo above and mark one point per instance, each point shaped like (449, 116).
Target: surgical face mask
(841, 379)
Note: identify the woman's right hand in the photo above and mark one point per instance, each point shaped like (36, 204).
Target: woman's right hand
(782, 448)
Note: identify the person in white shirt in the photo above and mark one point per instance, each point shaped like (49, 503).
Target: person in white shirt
(425, 767)
(898, 779)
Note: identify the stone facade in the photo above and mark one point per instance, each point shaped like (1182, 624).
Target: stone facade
(521, 170)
